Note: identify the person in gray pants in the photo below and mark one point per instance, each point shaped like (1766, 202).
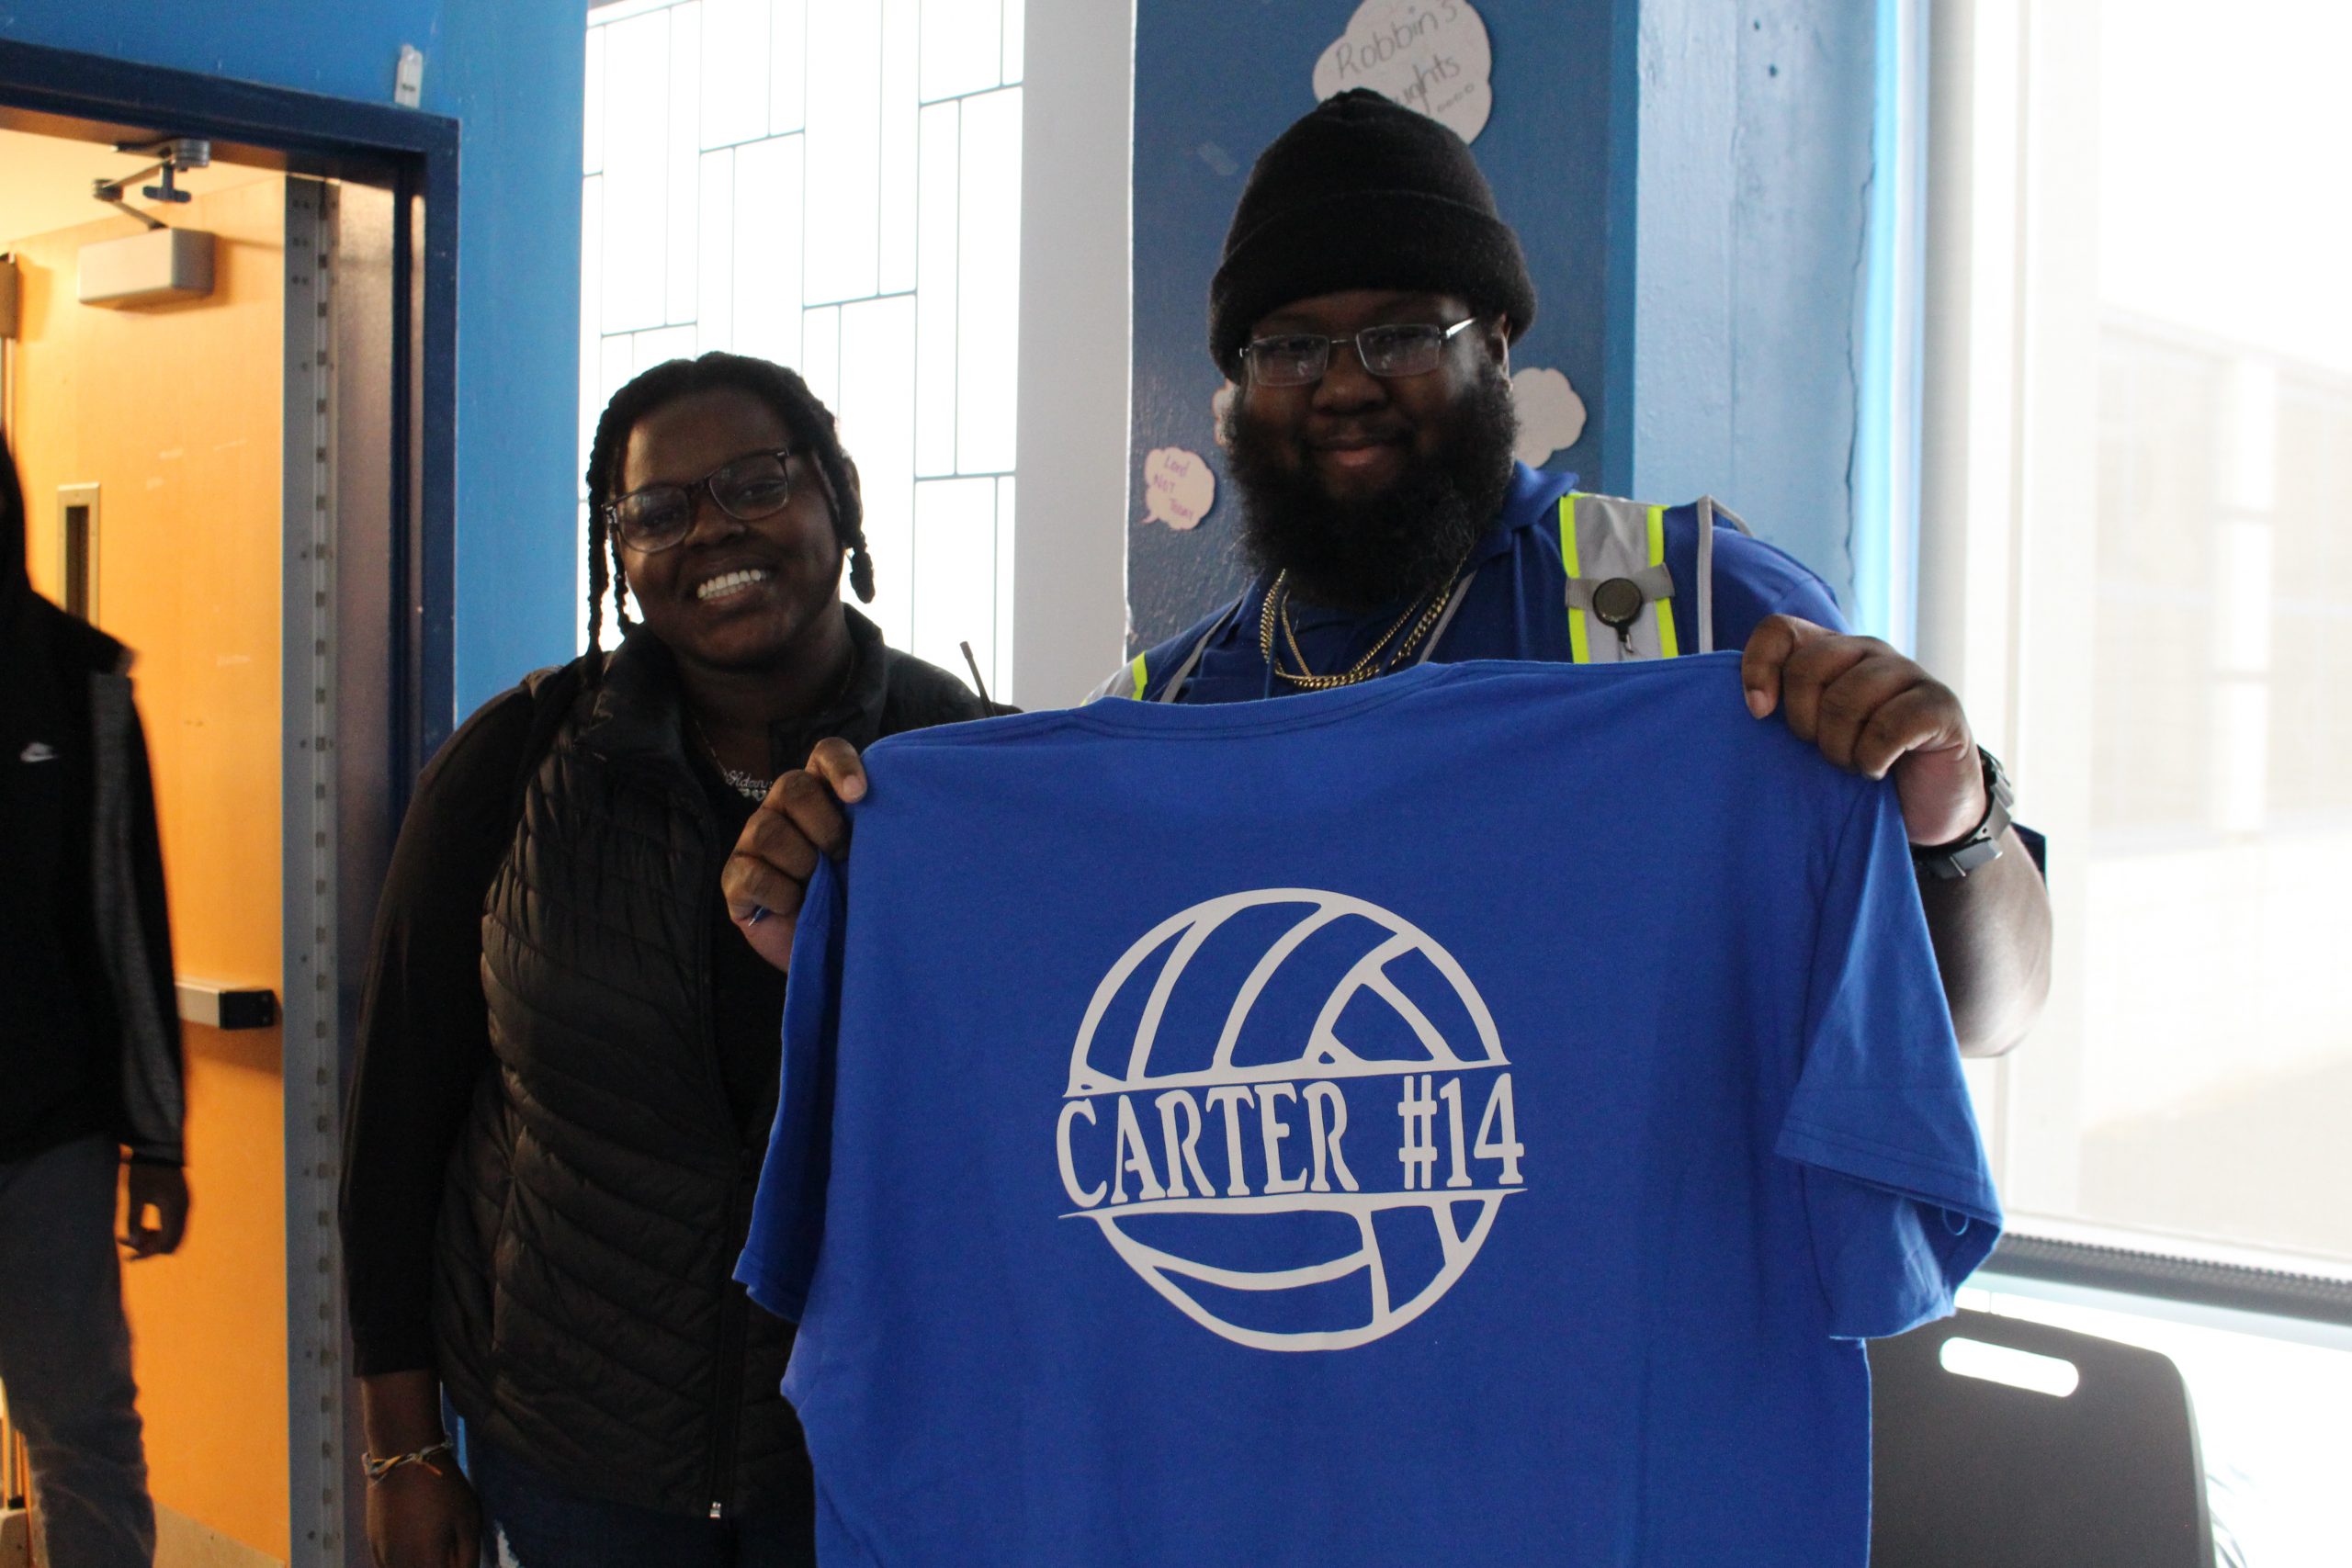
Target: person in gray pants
(90, 1066)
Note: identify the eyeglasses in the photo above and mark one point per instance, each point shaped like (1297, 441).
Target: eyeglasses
(658, 517)
(1296, 359)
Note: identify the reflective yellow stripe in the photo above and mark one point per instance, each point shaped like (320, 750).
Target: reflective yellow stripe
(1579, 645)
(1140, 679)
(1665, 643)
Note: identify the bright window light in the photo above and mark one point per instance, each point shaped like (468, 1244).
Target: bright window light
(989, 273)
(955, 593)
(844, 151)
(962, 45)
(836, 189)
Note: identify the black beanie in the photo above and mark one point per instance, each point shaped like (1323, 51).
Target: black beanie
(1363, 193)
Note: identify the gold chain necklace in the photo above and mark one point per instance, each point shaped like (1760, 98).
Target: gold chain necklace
(1277, 608)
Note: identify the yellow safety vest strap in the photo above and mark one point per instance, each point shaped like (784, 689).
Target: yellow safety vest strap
(1662, 608)
(1579, 639)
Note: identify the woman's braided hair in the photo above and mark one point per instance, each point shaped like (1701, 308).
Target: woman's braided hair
(813, 433)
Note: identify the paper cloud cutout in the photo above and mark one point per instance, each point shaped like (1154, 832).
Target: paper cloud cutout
(1551, 415)
(1430, 55)
(1178, 488)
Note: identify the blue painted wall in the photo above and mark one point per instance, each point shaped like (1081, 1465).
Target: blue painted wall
(510, 72)
(1691, 182)
(1214, 84)
(1756, 161)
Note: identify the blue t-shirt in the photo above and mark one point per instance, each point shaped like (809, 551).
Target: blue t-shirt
(1515, 606)
(1469, 1117)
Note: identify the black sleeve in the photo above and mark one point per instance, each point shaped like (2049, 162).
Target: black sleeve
(424, 1030)
(155, 927)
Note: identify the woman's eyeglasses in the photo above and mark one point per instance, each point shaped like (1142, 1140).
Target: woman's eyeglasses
(658, 517)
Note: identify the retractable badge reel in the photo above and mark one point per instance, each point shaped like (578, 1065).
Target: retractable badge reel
(1617, 604)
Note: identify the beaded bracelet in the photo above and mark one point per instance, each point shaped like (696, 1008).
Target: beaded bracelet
(377, 1469)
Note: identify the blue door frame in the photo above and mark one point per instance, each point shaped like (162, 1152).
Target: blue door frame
(60, 92)
(392, 706)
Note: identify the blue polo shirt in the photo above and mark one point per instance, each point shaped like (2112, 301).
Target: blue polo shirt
(1514, 608)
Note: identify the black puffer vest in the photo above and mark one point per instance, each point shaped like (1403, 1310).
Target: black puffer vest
(583, 1309)
(586, 1317)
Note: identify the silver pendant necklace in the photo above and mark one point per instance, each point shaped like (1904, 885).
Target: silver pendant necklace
(750, 788)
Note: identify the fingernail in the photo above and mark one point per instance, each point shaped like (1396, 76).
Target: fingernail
(1758, 703)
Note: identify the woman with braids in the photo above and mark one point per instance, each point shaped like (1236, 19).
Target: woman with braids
(568, 1056)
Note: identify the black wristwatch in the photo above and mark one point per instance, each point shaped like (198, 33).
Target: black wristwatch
(1980, 846)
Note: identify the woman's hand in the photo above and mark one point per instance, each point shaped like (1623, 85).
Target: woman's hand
(417, 1518)
(421, 1515)
(767, 876)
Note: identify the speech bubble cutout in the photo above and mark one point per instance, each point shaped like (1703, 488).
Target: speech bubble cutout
(1430, 55)
(1551, 415)
(1178, 488)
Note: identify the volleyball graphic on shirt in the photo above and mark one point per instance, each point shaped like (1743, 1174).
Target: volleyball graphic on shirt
(1290, 1112)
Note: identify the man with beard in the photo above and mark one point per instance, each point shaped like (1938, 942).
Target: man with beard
(1365, 308)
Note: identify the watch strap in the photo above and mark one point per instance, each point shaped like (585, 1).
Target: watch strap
(1981, 845)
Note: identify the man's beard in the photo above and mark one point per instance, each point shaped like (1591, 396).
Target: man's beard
(1357, 556)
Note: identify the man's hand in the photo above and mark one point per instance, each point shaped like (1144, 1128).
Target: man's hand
(163, 1189)
(767, 876)
(1871, 711)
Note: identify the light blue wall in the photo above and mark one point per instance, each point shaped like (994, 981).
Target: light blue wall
(1756, 160)
(1213, 86)
(1691, 181)
(510, 72)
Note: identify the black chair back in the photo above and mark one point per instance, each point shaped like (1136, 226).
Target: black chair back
(1971, 1474)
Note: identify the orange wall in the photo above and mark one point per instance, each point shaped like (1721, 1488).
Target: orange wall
(174, 413)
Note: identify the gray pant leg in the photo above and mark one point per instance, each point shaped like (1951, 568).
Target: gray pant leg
(65, 1359)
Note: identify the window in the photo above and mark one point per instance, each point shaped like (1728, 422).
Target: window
(2138, 460)
(836, 187)
(2136, 455)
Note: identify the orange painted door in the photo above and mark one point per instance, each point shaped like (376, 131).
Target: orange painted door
(173, 413)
